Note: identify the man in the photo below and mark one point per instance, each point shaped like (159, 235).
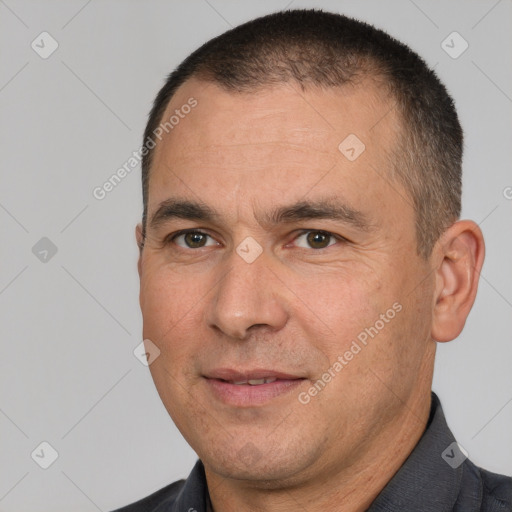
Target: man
(300, 258)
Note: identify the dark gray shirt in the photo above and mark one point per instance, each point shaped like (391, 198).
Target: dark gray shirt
(436, 477)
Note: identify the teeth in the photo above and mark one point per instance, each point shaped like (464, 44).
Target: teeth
(255, 382)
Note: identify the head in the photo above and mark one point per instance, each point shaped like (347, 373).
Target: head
(301, 212)
(311, 48)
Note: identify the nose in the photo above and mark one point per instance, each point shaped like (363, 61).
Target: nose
(247, 297)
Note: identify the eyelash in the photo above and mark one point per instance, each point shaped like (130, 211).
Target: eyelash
(172, 237)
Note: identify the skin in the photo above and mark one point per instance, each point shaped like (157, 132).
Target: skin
(297, 307)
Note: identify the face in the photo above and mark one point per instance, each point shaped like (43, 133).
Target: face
(272, 253)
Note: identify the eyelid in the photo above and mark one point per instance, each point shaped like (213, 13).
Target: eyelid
(172, 236)
(339, 238)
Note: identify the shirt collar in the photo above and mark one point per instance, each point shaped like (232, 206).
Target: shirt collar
(426, 481)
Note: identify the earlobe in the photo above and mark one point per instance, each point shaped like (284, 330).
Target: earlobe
(460, 253)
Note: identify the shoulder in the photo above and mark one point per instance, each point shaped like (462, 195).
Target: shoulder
(167, 495)
(495, 489)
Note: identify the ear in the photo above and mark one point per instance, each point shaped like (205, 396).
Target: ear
(140, 243)
(460, 256)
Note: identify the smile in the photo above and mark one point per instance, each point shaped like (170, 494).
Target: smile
(245, 393)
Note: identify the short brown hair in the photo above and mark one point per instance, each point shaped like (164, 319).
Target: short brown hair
(316, 48)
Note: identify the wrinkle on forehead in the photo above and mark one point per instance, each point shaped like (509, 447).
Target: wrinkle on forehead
(280, 114)
(290, 139)
(251, 156)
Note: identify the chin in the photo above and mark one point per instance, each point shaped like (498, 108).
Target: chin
(269, 466)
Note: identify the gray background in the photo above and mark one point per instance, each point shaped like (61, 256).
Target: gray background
(69, 325)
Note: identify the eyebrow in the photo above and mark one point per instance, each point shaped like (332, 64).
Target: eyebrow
(330, 208)
(181, 209)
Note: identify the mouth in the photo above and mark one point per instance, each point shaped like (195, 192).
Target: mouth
(251, 382)
(252, 387)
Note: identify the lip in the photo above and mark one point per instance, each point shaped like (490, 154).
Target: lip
(256, 373)
(247, 395)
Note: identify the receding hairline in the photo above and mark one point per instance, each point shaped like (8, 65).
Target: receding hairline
(312, 46)
(376, 84)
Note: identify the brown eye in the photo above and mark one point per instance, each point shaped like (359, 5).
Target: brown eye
(315, 240)
(318, 240)
(192, 240)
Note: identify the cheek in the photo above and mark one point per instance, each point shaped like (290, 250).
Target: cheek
(171, 304)
(363, 320)
(171, 307)
(334, 308)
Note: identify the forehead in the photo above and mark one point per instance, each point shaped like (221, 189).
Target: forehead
(276, 145)
(317, 119)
